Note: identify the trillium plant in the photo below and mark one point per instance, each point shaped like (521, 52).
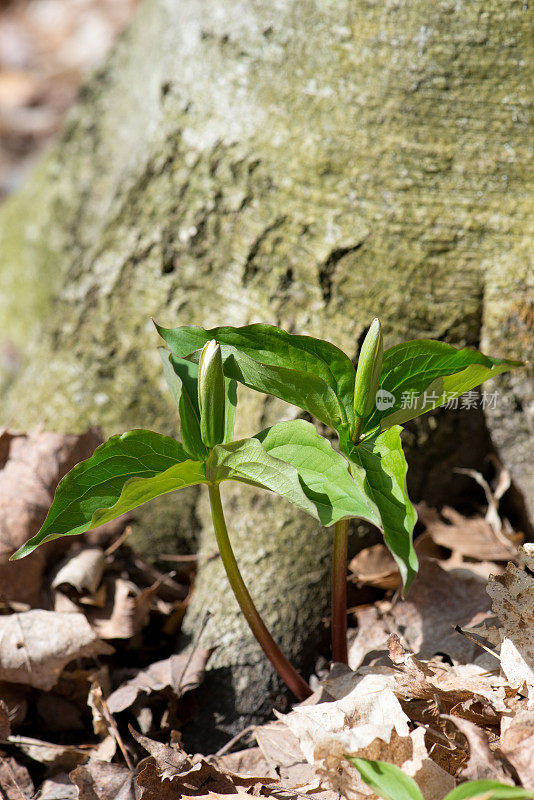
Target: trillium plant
(365, 480)
(366, 406)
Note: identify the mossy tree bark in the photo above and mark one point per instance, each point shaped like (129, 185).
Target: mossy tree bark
(312, 164)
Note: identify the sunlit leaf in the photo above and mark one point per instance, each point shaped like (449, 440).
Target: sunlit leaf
(302, 370)
(122, 473)
(385, 467)
(422, 374)
(323, 473)
(246, 461)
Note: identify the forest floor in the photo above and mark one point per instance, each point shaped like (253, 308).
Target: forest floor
(93, 696)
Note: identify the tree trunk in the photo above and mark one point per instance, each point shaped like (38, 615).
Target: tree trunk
(311, 164)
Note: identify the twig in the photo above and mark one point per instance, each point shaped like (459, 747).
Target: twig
(475, 640)
(228, 746)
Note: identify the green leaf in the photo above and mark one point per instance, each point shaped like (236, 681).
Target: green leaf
(383, 460)
(246, 461)
(422, 374)
(122, 473)
(490, 790)
(323, 473)
(310, 373)
(182, 380)
(387, 780)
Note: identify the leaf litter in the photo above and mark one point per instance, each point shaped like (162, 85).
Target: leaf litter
(93, 694)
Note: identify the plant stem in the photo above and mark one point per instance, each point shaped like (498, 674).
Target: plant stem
(339, 592)
(287, 672)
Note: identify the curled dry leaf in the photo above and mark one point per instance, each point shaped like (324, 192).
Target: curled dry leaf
(375, 566)
(126, 610)
(36, 645)
(82, 571)
(512, 594)
(180, 673)
(465, 689)
(55, 756)
(517, 744)
(31, 467)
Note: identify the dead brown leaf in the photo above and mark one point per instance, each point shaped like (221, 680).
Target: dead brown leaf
(170, 773)
(437, 601)
(126, 609)
(55, 756)
(15, 781)
(471, 537)
(36, 645)
(483, 763)
(375, 566)
(180, 673)
(513, 602)
(465, 690)
(32, 466)
(82, 571)
(517, 744)
(99, 780)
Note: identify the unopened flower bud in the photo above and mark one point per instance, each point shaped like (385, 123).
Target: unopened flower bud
(211, 394)
(368, 371)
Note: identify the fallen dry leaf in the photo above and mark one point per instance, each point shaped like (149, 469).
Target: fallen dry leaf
(180, 673)
(471, 537)
(375, 566)
(58, 756)
(437, 601)
(15, 781)
(58, 788)
(369, 711)
(36, 645)
(170, 773)
(82, 571)
(32, 466)
(101, 781)
(467, 690)
(483, 763)
(517, 744)
(126, 610)
(512, 594)
(371, 638)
